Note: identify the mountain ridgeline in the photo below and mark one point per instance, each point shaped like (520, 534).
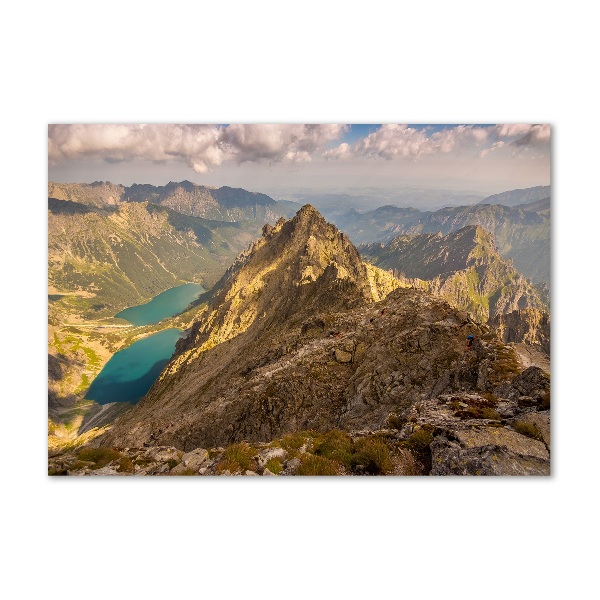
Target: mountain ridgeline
(303, 339)
(296, 337)
(517, 197)
(103, 259)
(522, 233)
(463, 267)
(185, 197)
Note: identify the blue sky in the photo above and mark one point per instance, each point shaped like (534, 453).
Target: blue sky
(358, 131)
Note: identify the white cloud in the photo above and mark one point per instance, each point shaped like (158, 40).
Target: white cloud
(202, 147)
(524, 135)
(278, 142)
(391, 141)
(205, 147)
(198, 145)
(494, 146)
(458, 137)
(401, 141)
(343, 151)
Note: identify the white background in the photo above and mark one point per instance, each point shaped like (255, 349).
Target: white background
(455, 62)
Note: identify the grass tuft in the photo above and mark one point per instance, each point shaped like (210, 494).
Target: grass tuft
(374, 455)
(335, 445)
(528, 429)
(318, 465)
(237, 458)
(99, 456)
(274, 465)
(125, 465)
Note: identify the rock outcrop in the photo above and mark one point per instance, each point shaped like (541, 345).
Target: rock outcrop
(529, 326)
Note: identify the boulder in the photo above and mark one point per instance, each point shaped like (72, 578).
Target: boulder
(541, 420)
(163, 453)
(488, 451)
(532, 382)
(266, 455)
(342, 356)
(194, 459)
(292, 465)
(450, 458)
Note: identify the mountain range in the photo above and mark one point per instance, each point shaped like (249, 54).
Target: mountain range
(464, 267)
(521, 233)
(299, 336)
(518, 197)
(121, 255)
(294, 338)
(185, 197)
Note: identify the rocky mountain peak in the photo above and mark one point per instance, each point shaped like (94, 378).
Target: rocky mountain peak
(299, 266)
(308, 213)
(464, 267)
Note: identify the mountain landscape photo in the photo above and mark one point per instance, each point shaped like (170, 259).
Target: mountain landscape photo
(299, 300)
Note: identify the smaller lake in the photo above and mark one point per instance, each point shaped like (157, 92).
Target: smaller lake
(130, 373)
(168, 304)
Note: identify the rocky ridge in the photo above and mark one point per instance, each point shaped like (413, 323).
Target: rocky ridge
(529, 325)
(453, 434)
(463, 267)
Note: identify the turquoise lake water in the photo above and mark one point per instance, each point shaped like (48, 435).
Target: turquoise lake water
(130, 373)
(168, 304)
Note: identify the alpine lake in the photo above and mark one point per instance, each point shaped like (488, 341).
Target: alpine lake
(130, 373)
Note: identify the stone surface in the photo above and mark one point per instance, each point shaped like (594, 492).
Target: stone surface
(342, 356)
(162, 453)
(108, 470)
(450, 458)
(195, 458)
(542, 421)
(292, 465)
(499, 436)
(265, 456)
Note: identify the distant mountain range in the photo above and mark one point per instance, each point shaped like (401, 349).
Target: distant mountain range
(522, 232)
(464, 267)
(516, 197)
(221, 204)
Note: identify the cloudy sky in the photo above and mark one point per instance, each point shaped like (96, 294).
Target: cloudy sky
(280, 158)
